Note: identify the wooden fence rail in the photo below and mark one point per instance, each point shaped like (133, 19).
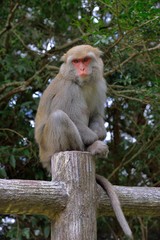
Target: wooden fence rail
(72, 200)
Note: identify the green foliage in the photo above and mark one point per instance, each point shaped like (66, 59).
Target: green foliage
(24, 228)
(33, 36)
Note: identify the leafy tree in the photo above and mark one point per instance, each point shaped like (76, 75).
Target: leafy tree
(33, 36)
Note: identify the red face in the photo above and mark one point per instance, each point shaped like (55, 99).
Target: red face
(82, 66)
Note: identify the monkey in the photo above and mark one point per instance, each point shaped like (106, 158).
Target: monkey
(70, 115)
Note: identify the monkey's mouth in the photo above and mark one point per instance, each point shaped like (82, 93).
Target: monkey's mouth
(83, 75)
(81, 81)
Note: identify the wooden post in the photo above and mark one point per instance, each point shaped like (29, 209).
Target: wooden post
(78, 220)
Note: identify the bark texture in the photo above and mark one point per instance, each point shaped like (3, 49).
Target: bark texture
(78, 219)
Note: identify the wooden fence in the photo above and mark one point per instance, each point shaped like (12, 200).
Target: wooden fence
(73, 200)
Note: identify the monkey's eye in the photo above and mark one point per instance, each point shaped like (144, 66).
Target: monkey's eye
(75, 61)
(86, 60)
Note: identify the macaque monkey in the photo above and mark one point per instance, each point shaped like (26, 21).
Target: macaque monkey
(71, 111)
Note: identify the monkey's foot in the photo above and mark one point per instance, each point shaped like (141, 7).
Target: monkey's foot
(98, 148)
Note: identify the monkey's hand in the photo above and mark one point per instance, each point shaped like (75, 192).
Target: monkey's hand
(98, 148)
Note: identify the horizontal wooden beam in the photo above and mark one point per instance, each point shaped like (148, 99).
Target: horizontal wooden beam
(49, 198)
(135, 201)
(32, 197)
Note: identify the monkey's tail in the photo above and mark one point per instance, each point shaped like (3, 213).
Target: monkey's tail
(108, 188)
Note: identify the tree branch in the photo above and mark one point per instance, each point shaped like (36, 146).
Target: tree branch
(127, 33)
(144, 147)
(116, 68)
(66, 45)
(8, 25)
(22, 86)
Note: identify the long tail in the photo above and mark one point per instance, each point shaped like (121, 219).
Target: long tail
(109, 189)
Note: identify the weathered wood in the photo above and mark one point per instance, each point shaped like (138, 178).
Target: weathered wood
(49, 198)
(78, 220)
(135, 201)
(32, 197)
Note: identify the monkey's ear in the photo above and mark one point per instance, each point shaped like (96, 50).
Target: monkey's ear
(63, 58)
(98, 52)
